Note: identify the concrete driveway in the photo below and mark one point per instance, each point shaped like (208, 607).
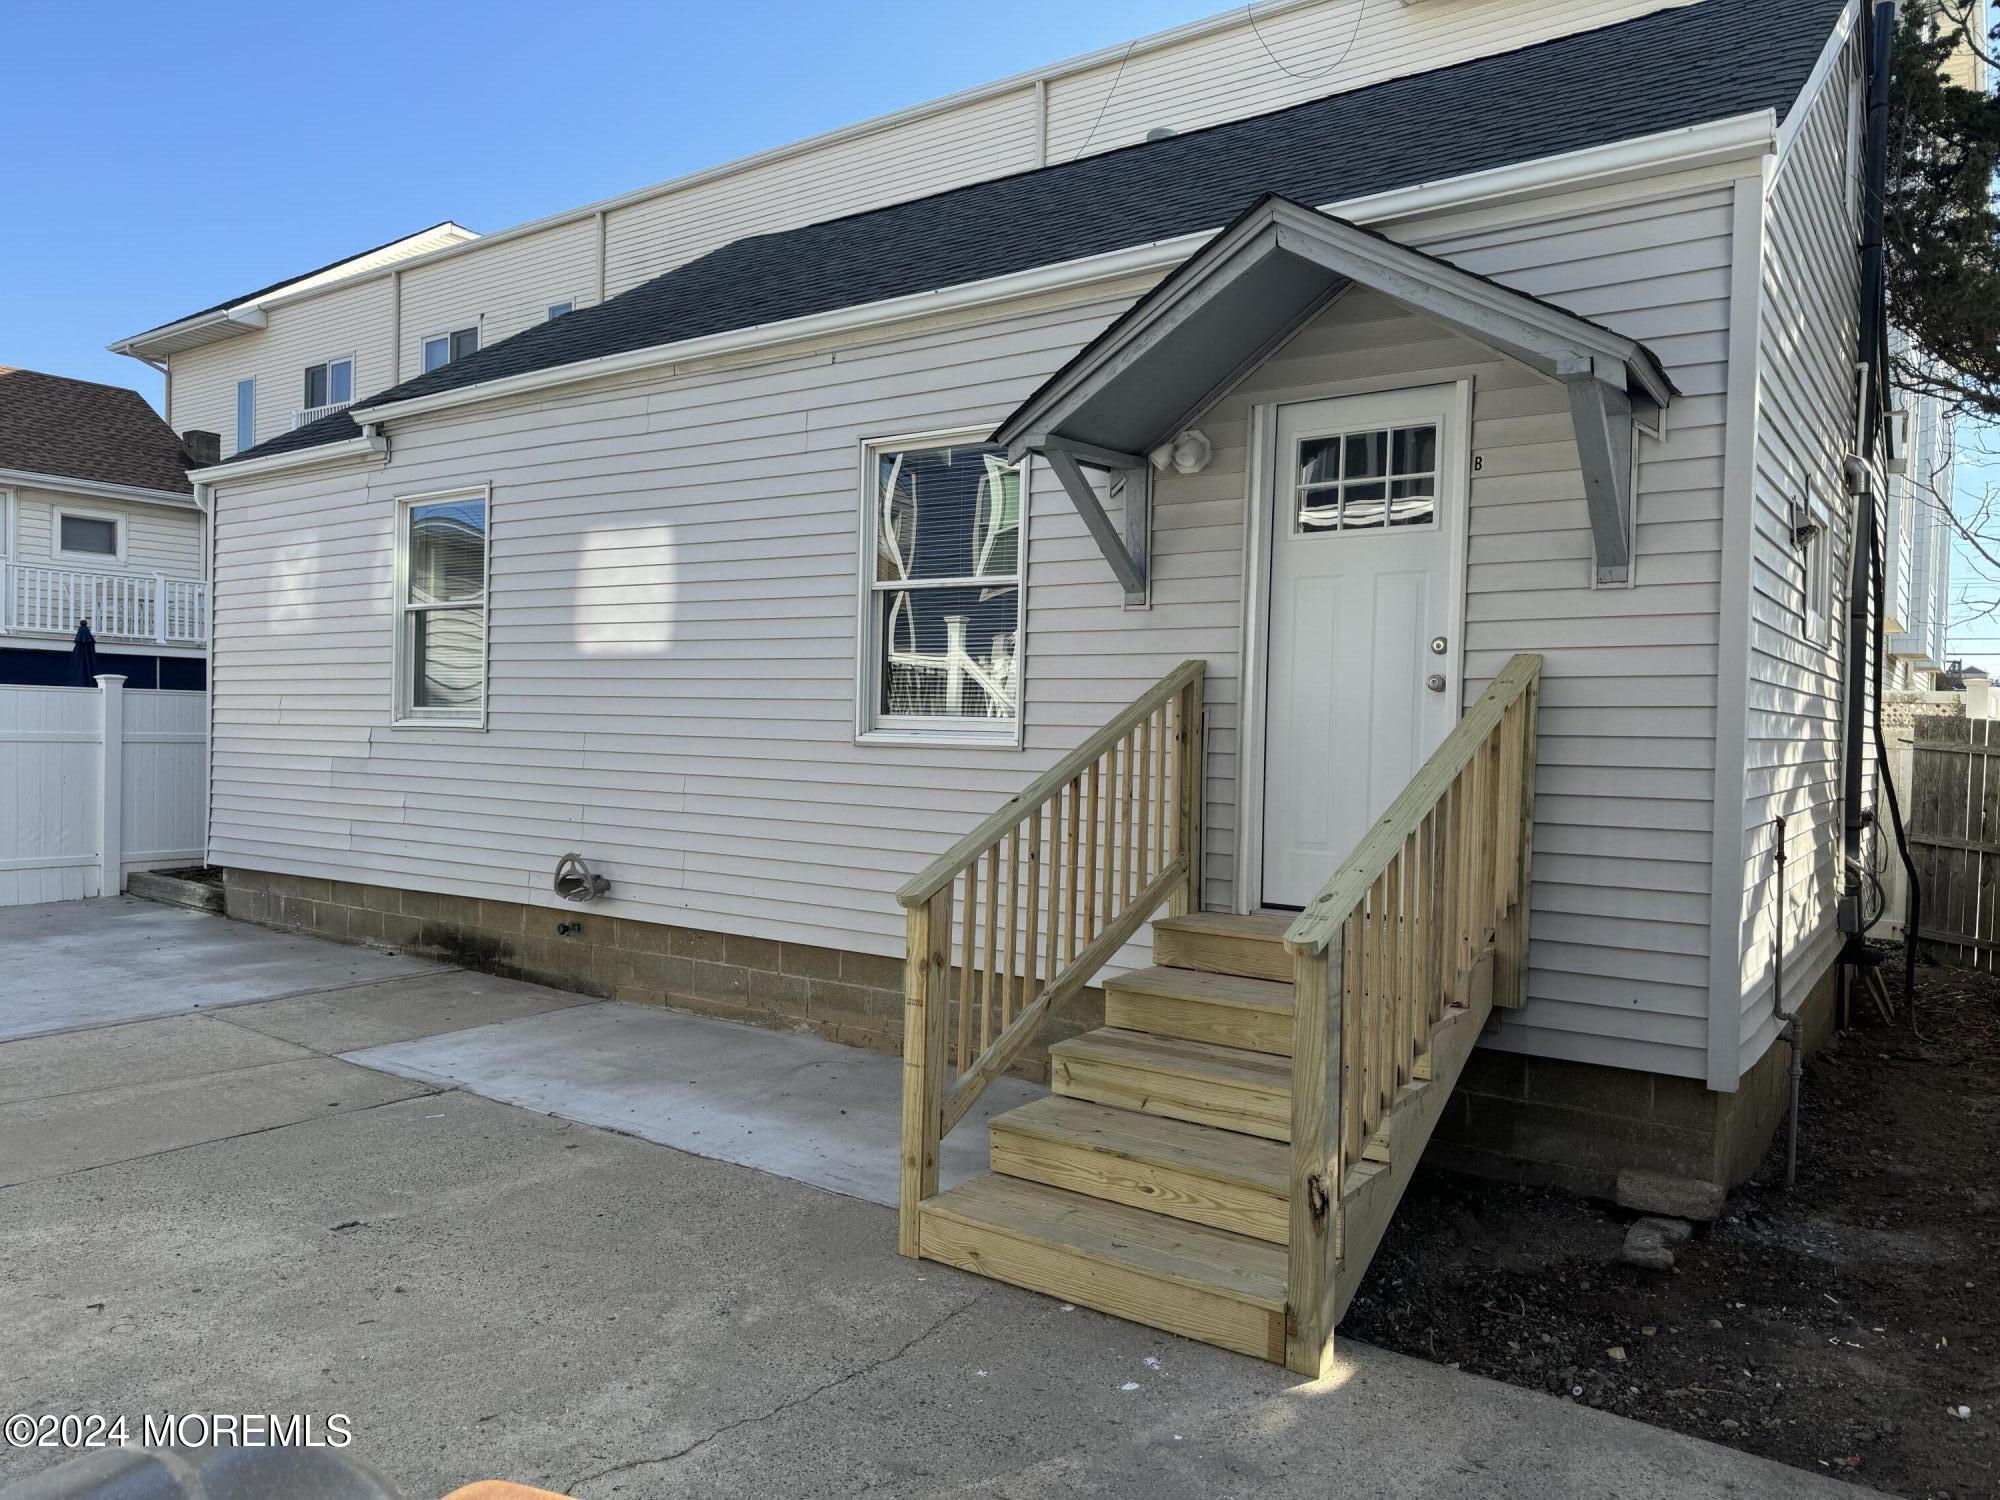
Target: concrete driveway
(214, 1210)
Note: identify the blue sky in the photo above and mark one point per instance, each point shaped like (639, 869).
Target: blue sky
(178, 154)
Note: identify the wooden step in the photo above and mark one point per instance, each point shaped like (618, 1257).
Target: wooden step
(1249, 1092)
(1196, 1006)
(1224, 1289)
(1193, 1172)
(1250, 947)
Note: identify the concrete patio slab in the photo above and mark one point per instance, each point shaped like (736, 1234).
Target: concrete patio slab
(400, 1010)
(139, 1052)
(485, 1291)
(72, 964)
(48, 1137)
(784, 1102)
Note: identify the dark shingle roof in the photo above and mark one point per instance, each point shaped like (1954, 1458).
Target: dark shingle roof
(1667, 70)
(77, 429)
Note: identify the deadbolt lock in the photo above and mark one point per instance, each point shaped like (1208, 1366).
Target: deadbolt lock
(1438, 645)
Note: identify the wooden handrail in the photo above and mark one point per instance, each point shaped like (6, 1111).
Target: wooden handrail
(1422, 925)
(1035, 901)
(949, 865)
(1315, 926)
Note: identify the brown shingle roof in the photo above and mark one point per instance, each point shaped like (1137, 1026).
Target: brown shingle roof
(77, 429)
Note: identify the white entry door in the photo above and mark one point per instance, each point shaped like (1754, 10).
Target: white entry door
(1362, 682)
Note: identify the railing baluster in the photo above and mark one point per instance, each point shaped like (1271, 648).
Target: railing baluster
(1010, 971)
(1146, 865)
(1025, 990)
(1352, 1058)
(1090, 851)
(992, 944)
(1071, 920)
(967, 923)
(1129, 802)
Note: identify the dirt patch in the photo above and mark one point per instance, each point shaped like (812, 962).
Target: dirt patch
(1839, 1327)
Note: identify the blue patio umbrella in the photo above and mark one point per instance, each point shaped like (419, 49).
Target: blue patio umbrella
(83, 657)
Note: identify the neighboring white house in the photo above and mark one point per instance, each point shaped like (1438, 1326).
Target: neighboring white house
(97, 522)
(758, 578)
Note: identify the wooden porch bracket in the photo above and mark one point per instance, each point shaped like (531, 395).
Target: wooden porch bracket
(1602, 413)
(1126, 547)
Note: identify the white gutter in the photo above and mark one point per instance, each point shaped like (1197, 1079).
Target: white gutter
(371, 444)
(97, 488)
(1735, 138)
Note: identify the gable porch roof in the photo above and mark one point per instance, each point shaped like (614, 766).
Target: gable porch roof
(1138, 384)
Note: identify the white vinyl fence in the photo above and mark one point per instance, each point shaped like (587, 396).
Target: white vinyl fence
(94, 784)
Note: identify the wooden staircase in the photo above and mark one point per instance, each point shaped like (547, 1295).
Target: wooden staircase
(1220, 1158)
(1153, 1183)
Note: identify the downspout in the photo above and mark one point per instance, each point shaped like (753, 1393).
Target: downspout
(1789, 1032)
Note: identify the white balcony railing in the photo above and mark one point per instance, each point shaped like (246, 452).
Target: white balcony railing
(119, 606)
(306, 415)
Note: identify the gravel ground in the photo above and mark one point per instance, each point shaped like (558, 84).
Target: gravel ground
(1842, 1327)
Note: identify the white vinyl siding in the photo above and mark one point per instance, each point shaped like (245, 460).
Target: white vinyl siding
(671, 682)
(157, 538)
(502, 291)
(1805, 404)
(343, 321)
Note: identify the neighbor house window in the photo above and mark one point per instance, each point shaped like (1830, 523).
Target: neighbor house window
(443, 348)
(246, 415)
(89, 535)
(441, 582)
(943, 596)
(329, 384)
(558, 309)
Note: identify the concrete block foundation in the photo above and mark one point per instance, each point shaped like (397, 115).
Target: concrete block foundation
(1646, 1140)
(1571, 1125)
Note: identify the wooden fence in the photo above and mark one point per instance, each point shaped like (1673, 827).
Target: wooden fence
(1954, 829)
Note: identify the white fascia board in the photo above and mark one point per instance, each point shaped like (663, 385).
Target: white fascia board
(223, 323)
(1738, 137)
(97, 489)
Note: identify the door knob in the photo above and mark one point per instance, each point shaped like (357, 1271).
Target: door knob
(1435, 682)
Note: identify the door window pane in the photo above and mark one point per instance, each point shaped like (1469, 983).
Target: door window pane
(1363, 481)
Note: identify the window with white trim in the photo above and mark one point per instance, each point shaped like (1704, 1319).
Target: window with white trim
(942, 599)
(90, 536)
(441, 349)
(441, 605)
(329, 383)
